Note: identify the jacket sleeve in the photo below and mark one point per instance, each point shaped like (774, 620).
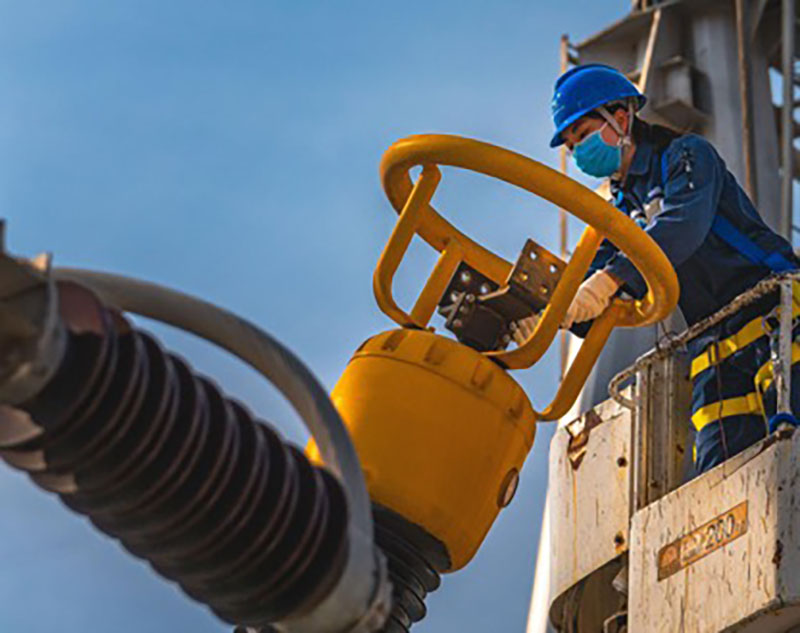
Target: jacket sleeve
(692, 188)
(606, 253)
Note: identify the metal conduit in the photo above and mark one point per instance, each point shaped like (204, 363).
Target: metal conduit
(787, 117)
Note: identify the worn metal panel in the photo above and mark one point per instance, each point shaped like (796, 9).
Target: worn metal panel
(663, 441)
(725, 579)
(589, 493)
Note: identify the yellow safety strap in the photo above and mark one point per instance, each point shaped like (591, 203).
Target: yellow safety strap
(763, 377)
(717, 352)
(752, 331)
(740, 405)
(751, 403)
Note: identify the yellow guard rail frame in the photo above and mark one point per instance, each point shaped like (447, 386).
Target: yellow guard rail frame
(412, 202)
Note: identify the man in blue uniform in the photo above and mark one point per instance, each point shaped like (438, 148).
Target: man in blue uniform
(679, 189)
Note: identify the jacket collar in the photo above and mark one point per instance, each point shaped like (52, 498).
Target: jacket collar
(640, 165)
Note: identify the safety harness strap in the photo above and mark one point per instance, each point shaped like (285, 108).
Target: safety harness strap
(753, 330)
(715, 353)
(748, 404)
(738, 241)
(764, 375)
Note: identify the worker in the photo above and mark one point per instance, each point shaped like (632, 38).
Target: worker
(677, 187)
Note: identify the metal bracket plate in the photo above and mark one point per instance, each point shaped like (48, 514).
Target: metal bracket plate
(535, 275)
(480, 313)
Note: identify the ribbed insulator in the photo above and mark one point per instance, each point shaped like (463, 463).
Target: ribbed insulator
(184, 477)
(412, 575)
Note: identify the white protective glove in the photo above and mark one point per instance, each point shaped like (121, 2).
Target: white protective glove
(523, 328)
(593, 297)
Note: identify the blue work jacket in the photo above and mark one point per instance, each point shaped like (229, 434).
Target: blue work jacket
(683, 192)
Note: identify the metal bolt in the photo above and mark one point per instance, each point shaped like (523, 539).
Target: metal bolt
(457, 323)
(466, 277)
(470, 298)
(508, 488)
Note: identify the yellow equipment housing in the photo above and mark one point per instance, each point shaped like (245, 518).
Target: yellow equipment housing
(442, 430)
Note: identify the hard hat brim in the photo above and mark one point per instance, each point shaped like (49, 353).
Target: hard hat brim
(558, 140)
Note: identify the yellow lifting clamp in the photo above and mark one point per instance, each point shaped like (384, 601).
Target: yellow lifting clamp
(441, 428)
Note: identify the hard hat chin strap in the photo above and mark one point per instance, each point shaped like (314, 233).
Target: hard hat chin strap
(625, 139)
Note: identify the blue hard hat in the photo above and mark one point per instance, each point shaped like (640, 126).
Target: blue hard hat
(585, 88)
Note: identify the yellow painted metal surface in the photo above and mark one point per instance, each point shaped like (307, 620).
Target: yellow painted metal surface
(407, 225)
(412, 201)
(438, 428)
(441, 429)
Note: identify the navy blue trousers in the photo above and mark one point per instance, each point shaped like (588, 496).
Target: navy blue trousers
(733, 377)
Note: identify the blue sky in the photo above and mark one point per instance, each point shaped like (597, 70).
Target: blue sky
(231, 150)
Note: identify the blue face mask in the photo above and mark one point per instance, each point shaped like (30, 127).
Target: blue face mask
(595, 157)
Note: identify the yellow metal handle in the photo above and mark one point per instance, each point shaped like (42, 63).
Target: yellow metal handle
(410, 221)
(604, 221)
